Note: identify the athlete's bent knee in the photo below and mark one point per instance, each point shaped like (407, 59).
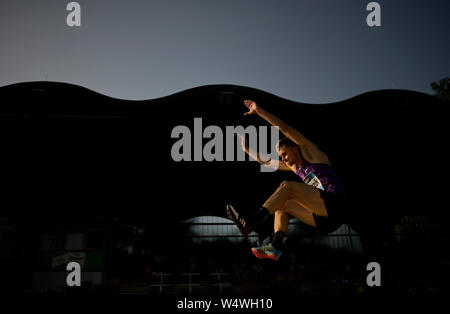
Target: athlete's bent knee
(282, 210)
(287, 185)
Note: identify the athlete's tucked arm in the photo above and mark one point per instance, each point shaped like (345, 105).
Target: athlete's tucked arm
(277, 165)
(309, 150)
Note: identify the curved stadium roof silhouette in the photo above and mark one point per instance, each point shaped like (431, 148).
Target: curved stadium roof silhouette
(68, 147)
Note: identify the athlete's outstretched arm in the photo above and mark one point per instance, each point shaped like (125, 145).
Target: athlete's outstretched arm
(257, 156)
(308, 148)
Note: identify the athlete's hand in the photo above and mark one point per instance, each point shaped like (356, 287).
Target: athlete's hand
(252, 107)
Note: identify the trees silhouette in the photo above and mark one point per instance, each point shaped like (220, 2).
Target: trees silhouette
(442, 88)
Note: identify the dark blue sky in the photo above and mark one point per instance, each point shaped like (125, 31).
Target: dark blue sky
(309, 51)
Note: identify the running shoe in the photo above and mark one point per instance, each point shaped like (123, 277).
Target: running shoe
(266, 251)
(240, 221)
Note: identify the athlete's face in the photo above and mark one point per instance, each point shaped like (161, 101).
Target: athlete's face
(289, 155)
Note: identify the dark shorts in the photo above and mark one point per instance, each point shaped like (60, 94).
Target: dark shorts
(336, 204)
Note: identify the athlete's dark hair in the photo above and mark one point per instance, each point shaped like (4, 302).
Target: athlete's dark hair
(286, 141)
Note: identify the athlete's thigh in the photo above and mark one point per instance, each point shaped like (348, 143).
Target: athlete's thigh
(296, 210)
(308, 197)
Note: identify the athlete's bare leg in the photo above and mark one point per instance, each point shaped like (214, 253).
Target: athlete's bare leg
(292, 208)
(281, 223)
(305, 195)
(307, 201)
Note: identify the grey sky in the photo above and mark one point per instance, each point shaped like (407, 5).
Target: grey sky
(309, 51)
